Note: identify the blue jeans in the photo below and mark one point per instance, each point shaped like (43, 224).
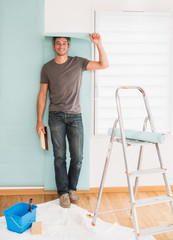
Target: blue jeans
(70, 125)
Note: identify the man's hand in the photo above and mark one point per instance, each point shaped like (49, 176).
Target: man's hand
(95, 38)
(39, 128)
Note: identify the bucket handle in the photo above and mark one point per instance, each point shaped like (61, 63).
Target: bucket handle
(24, 224)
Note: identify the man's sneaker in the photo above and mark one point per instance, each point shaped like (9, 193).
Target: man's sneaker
(65, 200)
(73, 197)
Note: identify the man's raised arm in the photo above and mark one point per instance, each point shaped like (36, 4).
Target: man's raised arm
(103, 60)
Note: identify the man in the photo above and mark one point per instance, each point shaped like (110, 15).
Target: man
(62, 76)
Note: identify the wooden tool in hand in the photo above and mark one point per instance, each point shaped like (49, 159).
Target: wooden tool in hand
(44, 141)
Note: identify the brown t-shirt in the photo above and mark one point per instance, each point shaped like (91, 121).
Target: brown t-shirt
(64, 82)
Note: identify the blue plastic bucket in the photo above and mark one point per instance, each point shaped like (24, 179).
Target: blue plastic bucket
(18, 217)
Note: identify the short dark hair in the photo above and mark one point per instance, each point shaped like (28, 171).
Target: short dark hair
(54, 39)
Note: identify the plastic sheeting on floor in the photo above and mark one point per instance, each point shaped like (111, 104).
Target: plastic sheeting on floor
(69, 224)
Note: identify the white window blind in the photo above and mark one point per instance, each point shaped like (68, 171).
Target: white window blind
(138, 46)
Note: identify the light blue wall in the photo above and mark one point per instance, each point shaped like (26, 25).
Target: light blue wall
(21, 47)
(23, 51)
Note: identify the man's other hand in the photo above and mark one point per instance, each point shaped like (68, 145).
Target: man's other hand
(39, 128)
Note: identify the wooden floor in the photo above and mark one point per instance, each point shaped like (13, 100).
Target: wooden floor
(148, 216)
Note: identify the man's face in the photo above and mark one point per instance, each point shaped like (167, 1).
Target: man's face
(61, 46)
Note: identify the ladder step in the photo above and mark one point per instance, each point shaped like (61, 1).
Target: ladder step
(153, 200)
(147, 171)
(156, 230)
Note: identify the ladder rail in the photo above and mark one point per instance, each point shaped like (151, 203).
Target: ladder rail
(140, 160)
(124, 144)
(168, 188)
(104, 172)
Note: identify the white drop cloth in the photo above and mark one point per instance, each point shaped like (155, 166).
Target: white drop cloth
(69, 224)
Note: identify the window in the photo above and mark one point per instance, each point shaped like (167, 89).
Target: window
(138, 46)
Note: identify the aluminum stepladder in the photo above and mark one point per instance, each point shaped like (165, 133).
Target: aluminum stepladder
(132, 193)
